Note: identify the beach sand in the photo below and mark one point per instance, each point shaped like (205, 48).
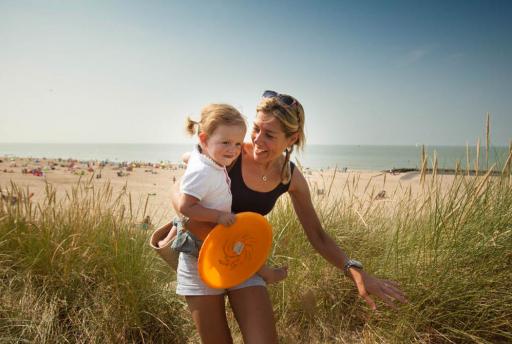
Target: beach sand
(154, 182)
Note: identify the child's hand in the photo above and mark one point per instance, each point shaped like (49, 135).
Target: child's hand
(226, 219)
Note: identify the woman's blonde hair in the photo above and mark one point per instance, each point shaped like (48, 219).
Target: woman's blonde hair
(291, 118)
(214, 115)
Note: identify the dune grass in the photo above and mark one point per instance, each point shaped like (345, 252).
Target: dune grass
(80, 270)
(451, 252)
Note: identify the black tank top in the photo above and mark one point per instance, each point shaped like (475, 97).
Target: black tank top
(245, 199)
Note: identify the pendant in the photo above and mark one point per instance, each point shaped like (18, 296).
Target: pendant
(264, 178)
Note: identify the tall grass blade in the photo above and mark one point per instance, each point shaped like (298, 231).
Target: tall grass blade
(468, 162)
(487, 138)
(477, 159)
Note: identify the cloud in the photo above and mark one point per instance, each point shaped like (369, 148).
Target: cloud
(456, 57)
(416, 55)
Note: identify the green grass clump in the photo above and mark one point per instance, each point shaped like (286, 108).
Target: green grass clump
(78, 270)
(450, 250)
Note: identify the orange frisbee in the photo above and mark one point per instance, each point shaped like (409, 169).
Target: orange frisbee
(230, 255)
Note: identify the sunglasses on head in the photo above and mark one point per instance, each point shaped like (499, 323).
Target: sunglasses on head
(283, 98)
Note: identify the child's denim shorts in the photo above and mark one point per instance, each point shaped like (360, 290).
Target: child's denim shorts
(186, 242)
(190, 284)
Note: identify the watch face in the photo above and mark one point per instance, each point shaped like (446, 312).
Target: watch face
(352, 263)
(356, 264)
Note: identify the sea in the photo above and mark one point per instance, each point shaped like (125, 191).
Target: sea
(350, 157)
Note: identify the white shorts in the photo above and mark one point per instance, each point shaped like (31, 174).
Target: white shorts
(190, 284)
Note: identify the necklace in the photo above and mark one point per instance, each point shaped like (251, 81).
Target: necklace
(265, 174)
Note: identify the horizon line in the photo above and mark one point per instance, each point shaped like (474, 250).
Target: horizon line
(309, 144)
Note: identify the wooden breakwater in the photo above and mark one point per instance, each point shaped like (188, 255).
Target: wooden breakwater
(446, 171)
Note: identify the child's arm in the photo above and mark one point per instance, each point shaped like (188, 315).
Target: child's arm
(190, 207)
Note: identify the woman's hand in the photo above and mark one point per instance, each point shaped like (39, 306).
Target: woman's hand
(367, 285)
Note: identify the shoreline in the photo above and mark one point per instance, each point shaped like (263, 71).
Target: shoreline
(353, 157)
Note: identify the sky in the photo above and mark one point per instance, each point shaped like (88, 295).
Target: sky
(366, 72)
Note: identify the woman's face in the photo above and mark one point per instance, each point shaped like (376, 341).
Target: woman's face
(269, 138)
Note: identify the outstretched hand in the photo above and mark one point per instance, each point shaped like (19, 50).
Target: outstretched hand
(387, 291)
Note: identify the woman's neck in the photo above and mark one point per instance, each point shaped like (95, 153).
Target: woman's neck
(264, 169)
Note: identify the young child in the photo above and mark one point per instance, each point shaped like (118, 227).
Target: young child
(205, 187)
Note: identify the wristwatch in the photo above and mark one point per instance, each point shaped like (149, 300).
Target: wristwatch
(352, 263)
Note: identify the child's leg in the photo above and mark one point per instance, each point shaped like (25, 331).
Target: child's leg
(273, 275)
(172, 233)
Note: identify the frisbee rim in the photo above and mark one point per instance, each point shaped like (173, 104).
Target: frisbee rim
(266, 234)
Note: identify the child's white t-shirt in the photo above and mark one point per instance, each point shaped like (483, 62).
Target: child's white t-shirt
(207, 181)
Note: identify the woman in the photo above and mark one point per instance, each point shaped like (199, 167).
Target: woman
(258, 177)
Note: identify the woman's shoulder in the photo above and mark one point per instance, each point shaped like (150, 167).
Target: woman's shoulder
(298, 182)
(247, 154)
(247, 148)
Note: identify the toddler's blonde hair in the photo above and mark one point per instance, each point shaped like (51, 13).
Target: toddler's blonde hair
(214, 115)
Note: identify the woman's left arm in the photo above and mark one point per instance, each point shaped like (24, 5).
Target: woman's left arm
(366, 284)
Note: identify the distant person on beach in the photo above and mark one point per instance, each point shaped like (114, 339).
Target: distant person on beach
(204, 191)
(262, 173)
